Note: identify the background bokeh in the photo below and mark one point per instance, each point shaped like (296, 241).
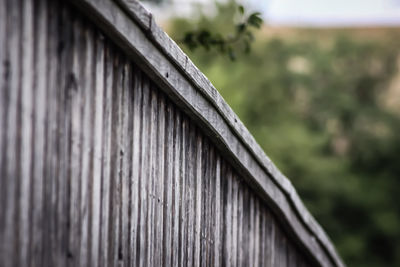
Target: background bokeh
(322, 98)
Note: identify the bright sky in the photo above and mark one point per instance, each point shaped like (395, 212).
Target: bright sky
(333, 12)
(314, 12)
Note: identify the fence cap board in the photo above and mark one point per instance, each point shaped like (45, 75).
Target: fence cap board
(134, 29)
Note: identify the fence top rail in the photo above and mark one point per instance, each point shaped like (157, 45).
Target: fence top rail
(134, 30)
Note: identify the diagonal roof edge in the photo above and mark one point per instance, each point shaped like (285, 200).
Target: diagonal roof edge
(135, 31)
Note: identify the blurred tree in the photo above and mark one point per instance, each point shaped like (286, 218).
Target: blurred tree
(316, 104)
(238, 39)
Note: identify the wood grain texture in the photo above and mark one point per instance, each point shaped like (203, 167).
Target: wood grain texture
(136, 33)
(108, 161)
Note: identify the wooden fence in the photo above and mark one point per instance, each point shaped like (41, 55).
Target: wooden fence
(115, 150)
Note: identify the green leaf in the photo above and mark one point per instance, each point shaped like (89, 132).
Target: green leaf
(189, 40)
(255, 20)
(241, 27)
(241, 9)
(204, 39)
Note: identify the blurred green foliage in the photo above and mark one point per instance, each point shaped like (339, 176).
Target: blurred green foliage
(318, 107)
(229, 44)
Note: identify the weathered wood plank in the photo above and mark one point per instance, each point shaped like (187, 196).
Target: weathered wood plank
(125, 162)
(176, 188)
(168, 212)
(9, 158)
(183, 131)
(190, 167)
(52, 181)
(96, 179)
(67, 84)
(39, 121)
(198, 177)
(86, 96)
(143, 181)
(217, 222)
(135, 166)
(106, 158)
(116, 163)
(74, 91)
(26, 106)
(3, 121)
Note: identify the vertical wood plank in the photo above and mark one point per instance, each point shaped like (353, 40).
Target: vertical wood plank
(106, 157)
(143, 179)
(11, 85)
(168, 185)
(116, 163)
(3, 134)
(234, 219)
(26, 107)
(124, 154)
(67, 83)
(204, 177)
(176, 189)
(218, 214)
(86, 55)
(228, 216)
(152, 175)
(199, 191)
(246, 227)
(136, 153)
(211, 208)
(182, 192)
(190, 167)
(52, 196)
(95, 198)
(74, 91)
(263, 225)
(240, 225)
(257, 233)
(39, 117)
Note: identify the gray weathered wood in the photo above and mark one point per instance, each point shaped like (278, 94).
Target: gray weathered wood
(221, 121)
(116, 150)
